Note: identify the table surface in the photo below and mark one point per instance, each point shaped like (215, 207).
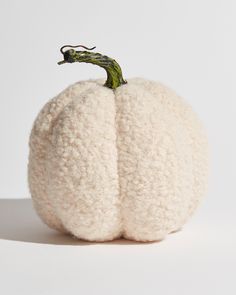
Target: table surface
(34, 259)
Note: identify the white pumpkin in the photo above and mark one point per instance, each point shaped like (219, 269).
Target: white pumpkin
(107, 163)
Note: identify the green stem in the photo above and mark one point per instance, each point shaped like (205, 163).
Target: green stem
(112, 68)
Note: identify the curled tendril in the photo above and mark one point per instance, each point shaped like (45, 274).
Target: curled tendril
(76, 46)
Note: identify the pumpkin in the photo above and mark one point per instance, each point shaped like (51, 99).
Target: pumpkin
(121, 159)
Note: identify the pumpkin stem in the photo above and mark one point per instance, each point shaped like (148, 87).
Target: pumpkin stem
(112, 68)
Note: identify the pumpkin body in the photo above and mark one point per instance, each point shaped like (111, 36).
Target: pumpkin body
(104, 164)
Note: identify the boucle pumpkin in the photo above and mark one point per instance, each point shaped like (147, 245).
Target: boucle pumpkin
(125, 159)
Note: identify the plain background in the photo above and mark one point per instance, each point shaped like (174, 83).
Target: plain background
(188, 45)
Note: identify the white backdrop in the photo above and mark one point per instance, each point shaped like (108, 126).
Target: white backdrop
(186, 44)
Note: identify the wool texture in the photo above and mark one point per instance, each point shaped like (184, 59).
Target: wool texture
(105, 164)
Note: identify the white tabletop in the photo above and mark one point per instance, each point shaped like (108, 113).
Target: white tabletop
(200, 259)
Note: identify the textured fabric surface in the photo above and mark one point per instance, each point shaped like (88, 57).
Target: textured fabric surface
(105, 164)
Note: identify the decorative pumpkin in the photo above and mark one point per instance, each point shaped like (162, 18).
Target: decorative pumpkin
(120, 159)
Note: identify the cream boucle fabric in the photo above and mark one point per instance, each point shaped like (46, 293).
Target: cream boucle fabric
(127, 163)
